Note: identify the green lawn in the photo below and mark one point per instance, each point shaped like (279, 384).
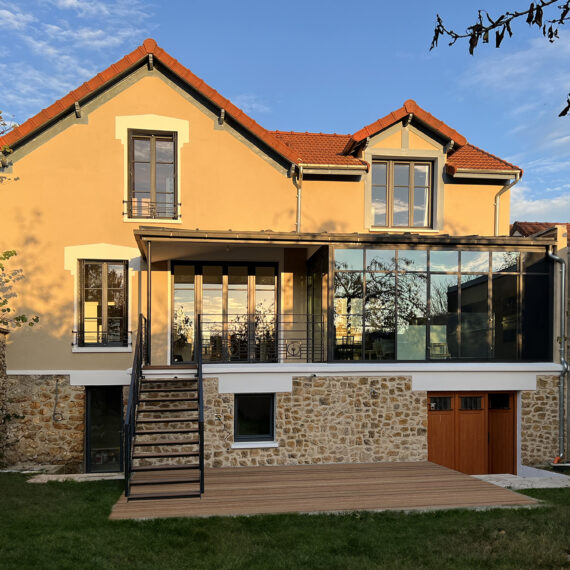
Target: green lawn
(65, 525)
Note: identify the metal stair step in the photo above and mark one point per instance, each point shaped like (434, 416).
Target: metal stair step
(146, 380)
(170, 495)
(141, 468)
(165, 420)
(153, 390)
(165, 455)
(144, 400)
(168, 442)
(166, 431)
(168, 410)
(159, 481)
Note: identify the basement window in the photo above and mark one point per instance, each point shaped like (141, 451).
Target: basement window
(254, 418)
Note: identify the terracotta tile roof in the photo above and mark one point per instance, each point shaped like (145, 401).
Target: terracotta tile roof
(530, 228)
(149, 46)
(319, 148)
(410, 106)
(297, 148)
(471, 157)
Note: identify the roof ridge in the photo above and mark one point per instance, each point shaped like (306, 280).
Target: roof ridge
(309, 133)
(149, 46)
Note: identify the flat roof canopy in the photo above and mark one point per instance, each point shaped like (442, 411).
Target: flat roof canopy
(171, 243)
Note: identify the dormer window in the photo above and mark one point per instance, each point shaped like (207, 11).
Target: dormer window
(401, 194)
(152, 175)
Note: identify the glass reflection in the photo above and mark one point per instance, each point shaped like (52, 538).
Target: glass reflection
(443, 317)
(411, 295)
(380, 260)
(505, 261)
(474, 318)
(444, 260)
(412, 260)
(474, 261)
(348, 259)
(184, 315)
(505, 316)
(380, 317)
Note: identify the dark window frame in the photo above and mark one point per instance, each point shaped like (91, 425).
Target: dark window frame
(104, 316)
(390, 179)
(268, 437)
(152, 136)
(520, 271)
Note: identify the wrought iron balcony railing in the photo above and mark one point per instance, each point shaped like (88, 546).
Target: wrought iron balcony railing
(84, 338)
(253, 338)
(151, 210)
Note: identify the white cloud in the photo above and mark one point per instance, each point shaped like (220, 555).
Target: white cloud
(527, 208)
(15, 20)
(250, 103)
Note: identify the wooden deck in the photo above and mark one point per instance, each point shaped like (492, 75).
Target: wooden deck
(327, 488)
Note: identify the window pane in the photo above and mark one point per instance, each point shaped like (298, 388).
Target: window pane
(380, 260)
(505, 261)
(412, 260)
(164, 151)
(212, 296)
(165, 178)
(115, 303)
(254, 417)
(142, 178)
(444, 318)
(470, 402)
(92, 275)
(499, 401)
(348, 288)
(348, 336)
(444, 260)
(421, 207)
(115, 278)
(402, 175)
(421, 175)
(535, 262)
(536, 295)
(183, 318)
(349, 259)
(379, 173)
(265, 276)
(401, 206)
(380, 316)
(412, 312)
(141, 150)
(237, 275)
(475, 261)
(379, 205)
(505, 316)
(440, 403)
(474, 317)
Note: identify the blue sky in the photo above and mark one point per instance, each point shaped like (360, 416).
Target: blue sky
(319, 66)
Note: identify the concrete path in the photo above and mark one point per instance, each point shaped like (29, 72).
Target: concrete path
(528, 478)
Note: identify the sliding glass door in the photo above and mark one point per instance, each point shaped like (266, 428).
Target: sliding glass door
(237, 304)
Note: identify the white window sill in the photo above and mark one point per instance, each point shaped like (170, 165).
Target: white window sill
(153, 220)
(86, 349)
(405, 230)
(254, 444)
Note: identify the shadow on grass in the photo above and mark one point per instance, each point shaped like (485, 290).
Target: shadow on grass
(65, 525)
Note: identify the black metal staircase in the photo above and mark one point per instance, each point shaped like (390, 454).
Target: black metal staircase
(164, 428)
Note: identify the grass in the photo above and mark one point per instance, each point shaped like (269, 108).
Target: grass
(65, 525)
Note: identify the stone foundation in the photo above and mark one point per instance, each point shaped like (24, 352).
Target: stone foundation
(326, 420)
(540, 422)
(43, 419)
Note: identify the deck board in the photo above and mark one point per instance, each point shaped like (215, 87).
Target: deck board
(326, 488)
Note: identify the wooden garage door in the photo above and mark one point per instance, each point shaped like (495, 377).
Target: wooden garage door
(472, 432)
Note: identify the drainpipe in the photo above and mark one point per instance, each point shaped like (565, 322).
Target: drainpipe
(299, 185)
(563, 361)
(507, 186)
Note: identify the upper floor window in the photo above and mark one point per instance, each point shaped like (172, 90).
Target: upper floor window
(103, 303)
(401, 194)
(152, 175)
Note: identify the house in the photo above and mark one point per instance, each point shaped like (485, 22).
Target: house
(314, 298)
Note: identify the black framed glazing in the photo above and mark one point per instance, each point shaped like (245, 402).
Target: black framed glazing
(103, 303)
(254, 417)
(153, 174)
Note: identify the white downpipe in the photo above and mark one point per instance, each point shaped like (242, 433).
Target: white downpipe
(506, 187)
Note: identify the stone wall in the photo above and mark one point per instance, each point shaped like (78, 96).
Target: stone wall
(326, 420)
(43, 420)
(540, 422)
(3, 423)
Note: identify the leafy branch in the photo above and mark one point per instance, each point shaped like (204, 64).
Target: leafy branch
(535, 16)
(8, 277)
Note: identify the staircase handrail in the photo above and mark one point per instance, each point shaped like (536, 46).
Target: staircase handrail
(140, 358)
(198, 344)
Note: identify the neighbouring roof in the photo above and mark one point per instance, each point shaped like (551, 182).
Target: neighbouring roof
(295, 147)
(530, 228)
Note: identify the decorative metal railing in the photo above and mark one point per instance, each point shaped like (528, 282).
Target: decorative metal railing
(146, 209)
(140, 358)
(253, 338)
(86, 338)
